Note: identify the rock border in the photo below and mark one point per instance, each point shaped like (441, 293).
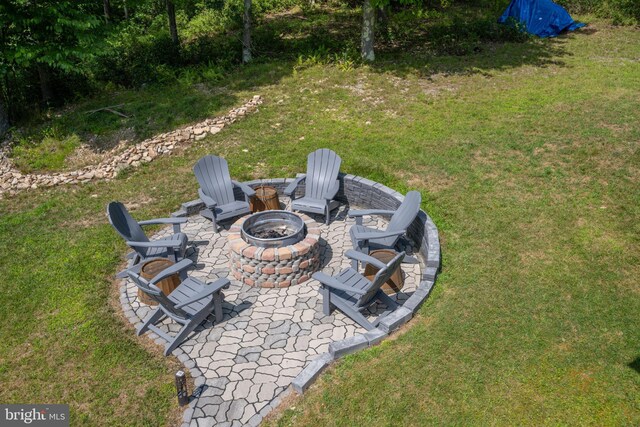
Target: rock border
(13, 181)
(358, 191)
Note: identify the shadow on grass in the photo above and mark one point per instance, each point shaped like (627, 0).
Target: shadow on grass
(635, 365)
(458, 41)
(497, 57)
(467, 43)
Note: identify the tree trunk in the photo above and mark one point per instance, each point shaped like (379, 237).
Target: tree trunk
(246, 32)
(126, 10)
(4, 118)
(368, 28)
(45, 84)
(173, 28)
(106, 4)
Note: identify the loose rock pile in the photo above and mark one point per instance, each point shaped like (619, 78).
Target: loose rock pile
(13, 181)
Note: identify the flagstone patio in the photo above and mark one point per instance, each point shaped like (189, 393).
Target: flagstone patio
(268, 335)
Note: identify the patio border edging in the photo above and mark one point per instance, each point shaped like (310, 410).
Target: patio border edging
(354, 190)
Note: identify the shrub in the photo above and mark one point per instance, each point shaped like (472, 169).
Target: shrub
(625, 12)
(135, 55)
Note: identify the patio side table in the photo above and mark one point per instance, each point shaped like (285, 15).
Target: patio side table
(266, 199)
(149, 270)
(396, 281)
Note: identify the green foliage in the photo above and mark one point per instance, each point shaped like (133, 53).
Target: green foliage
(624, 12)
(345, 60)
(140, 51)
(134, 55)
(43, 43)
(46, 154)
(55, 33)
(447, 32)
(462, 36)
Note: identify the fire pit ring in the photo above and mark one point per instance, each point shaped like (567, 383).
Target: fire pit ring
(273, 229)
(274, 266)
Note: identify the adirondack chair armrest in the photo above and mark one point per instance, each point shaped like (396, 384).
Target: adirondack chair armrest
(331, 193)
(175, 268)
(208, 201)
(156, 244)
(291, 188)
(244, 187)
(376, 235)
(360, 213)
(210, 289)
(332, 282)
(359, 256)
(163, 221)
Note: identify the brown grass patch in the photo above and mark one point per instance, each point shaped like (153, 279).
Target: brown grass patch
(432, 181)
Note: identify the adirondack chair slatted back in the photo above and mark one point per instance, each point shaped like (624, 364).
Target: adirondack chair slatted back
(323, 166)
(157, 295)
(212, 173)
(380, 279)
(126, 226)
(406, 213)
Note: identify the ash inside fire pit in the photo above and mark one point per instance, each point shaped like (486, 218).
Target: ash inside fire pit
(271, 233)
(273, 229)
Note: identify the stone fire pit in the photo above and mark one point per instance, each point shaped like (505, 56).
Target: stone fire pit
(273, 229)
(274, 249)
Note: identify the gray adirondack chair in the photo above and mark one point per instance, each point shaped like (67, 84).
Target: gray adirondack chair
(216, 190)
(352, 293)
(172, 247)
(321, 184)
(365, 239)
(189, 304)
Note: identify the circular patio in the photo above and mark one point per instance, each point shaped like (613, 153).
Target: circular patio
(244, 364)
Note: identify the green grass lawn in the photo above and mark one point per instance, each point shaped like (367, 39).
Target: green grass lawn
(527, 156)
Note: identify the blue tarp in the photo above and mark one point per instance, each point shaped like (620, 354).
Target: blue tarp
(542, 18)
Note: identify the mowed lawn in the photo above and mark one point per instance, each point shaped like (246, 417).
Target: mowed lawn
(527, 156)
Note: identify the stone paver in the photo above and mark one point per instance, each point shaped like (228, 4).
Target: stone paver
(268, 335)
